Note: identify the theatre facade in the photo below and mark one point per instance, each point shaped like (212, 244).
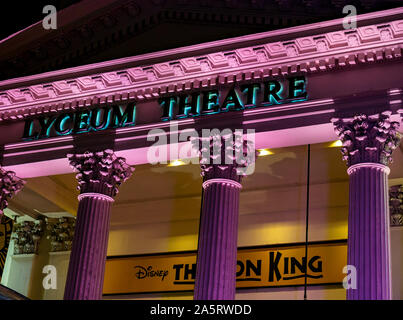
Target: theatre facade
(108, 183)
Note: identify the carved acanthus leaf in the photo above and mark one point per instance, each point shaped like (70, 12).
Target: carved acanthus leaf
(368, 138)
(10, 185)
(100, 172)
(226, 156)
(27, 235)
(61, 234)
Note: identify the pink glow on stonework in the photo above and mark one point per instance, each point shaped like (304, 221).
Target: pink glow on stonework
(295, 106)
(41, 168)
(307, 114)
(270, 139)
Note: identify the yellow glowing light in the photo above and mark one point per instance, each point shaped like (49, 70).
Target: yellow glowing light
(336, 143)
(176, 163)
(264, 152)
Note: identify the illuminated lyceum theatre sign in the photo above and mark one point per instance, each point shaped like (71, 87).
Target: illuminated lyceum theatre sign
(238, 97)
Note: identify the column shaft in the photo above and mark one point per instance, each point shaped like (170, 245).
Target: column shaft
(368, 232)
(217, 252)
(87, 261)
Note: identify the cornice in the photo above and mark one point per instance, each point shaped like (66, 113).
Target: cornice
(308, 54)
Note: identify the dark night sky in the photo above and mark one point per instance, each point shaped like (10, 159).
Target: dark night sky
(17, 15)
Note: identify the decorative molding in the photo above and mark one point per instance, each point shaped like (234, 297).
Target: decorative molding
(95, 195)
(396, 205)
(319, 53)
(27, 235)
(100, 172)
(61, 234)
(373, 165)
(60, 253)
(10, 185)
(25, 256)
(222, 181)
(224, 156)
(368, 139)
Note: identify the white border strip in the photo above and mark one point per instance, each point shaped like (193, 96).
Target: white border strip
(223, 181)
(95, 195)
(374, 165)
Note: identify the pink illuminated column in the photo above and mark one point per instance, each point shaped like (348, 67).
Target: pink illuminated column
(99, 176)
(368, 143)
(10, 185)
(217, 248)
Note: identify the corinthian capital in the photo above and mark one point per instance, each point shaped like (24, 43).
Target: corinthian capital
(10, 185)
(100, 172)
(27, 235)
(368, 138)
(225, 155)
(61, 233)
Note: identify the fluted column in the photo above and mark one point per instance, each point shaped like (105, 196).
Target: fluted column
(368, 143)
(99, 176)
(217, 249)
